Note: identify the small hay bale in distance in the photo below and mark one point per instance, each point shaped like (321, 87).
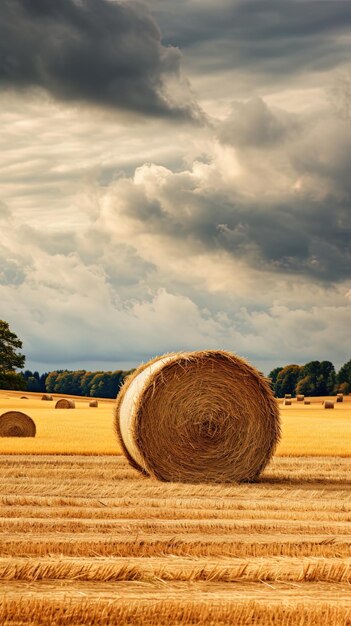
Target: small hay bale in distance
(46, 397)
(16, 424)
(340, 397)
(23, 398)
(65, 403)
(93, 403)
(198, 417)
(300, 397)
(288, 396)
(307, 401)
(328, 404)
(287, 402)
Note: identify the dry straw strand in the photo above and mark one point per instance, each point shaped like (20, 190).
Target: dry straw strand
(16, 424)
(205, 416)
(65, 403)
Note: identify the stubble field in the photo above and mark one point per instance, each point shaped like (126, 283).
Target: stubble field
(84, 539)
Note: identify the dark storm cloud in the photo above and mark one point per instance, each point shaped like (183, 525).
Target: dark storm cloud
(296, 236)
(270, 37)
(289, 208)
(99, 51)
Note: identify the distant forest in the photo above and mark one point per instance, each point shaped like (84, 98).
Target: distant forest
(316, 378)
(76, 383)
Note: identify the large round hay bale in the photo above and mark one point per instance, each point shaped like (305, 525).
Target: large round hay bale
(16, 424)
(46, 397)
(198, 417)
(328, 404)
(65, 403)
(94, 403)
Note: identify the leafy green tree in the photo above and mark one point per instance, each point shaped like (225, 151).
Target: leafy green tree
(344, 378)
(344, 388)
(10, 359)
(305, 386)
(86, 382)
(321, 378)
(51, 380)
(287, 380)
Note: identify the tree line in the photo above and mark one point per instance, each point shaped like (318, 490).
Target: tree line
(316, 378)
(76, 383)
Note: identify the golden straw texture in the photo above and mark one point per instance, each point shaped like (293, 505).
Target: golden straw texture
(16, 424)
(64, 403)
(204, 416)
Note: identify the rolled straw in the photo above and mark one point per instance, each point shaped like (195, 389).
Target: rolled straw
(16, 424)
(328, 404)
(194, 417)
(65, 403)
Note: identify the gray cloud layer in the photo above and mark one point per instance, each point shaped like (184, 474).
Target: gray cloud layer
(98, 51)
(257, 44)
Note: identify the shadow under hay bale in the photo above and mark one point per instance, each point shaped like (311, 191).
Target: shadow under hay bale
(198, 417)
(46, 397)
(16, 424)
(93, 403)
(64, 403)
(328, 404)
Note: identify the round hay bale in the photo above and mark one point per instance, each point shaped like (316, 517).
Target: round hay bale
(300, 397)
(287, 402)
(46, 397)
(65, 403)
(23, 398)
(16, 424)
(328, 404)
(307, 401)
(340, 397)
(93, 403)
(193, 417)
(288, 396)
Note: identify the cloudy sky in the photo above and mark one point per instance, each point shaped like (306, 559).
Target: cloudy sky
(175, 175)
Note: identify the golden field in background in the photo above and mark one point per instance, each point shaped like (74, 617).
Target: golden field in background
(307, 430)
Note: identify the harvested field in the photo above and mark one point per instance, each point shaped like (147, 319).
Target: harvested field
(87, 540)
(307, 430)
